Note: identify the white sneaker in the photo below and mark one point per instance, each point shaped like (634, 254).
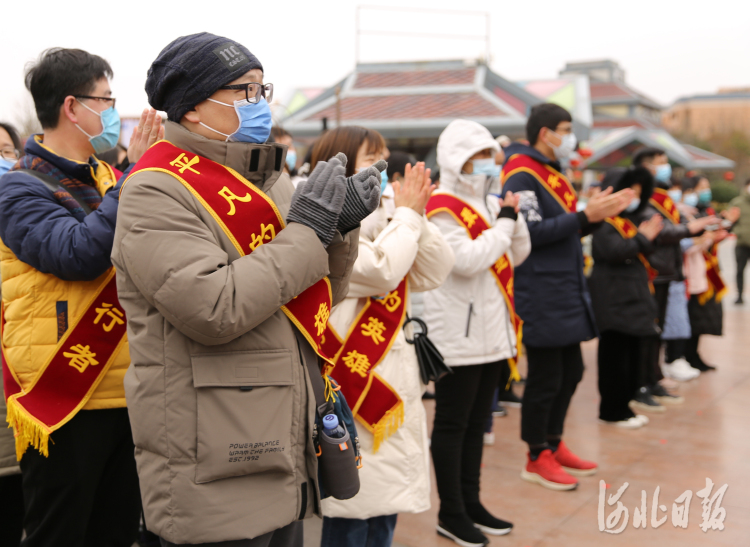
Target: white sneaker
(680, 370)
(489, 439)
(631, 423)
(642, 418)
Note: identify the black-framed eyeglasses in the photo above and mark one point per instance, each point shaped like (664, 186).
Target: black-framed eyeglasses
(110, 101)
(9, 154)
(253, 91)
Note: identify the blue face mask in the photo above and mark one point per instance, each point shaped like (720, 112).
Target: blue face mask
(484, 167)
(6, 165)
(110, 135)
(383, 181)
(255, 121)
(704, 197)
(291, 160)
(633, 205)
(676, 195)
(690, 199)
(663, 172)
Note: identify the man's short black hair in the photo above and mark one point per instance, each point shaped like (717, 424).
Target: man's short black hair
(646, 153)
(545, 115)
(397, 163)
(61, 72)
(17, 144)
(747, 183)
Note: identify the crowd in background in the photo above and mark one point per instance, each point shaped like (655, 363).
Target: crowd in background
(434, 282)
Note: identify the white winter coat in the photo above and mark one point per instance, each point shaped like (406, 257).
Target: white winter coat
(467, 316)
(396, 479)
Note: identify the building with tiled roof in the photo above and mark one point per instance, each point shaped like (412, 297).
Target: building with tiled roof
(412, 103)
(613, 102)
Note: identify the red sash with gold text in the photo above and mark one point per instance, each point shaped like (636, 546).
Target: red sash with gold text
(247, 216)
(66, 381)
(628, 230)
(716, 286)
(474, 223)
(375, 403)
(661, 201)
(551, 179)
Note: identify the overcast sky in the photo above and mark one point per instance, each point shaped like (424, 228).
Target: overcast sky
(668, 49)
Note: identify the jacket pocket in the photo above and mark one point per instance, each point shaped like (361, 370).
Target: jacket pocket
(246, 403)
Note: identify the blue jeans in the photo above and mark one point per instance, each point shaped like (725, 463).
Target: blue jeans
(372, 532)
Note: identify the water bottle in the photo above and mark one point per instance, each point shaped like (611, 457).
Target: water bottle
(331, 426)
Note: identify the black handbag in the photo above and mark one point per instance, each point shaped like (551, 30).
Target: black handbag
(431, 364)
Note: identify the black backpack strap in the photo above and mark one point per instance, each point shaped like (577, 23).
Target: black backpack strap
(53, 184)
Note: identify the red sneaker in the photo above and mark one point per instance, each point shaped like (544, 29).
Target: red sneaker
(547, 472)
(572, 463)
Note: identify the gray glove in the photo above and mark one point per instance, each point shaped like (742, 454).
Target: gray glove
(362, 196)
(317, 202)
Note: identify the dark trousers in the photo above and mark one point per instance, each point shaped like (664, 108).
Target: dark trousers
(651, 371)
(11, 509)
(553, 375)
(502, 387)
(675, 350)
(290, 535)
(691, 351)
(742, 254)
(372, 532)
(462, 403)
(619, 361)
(86, 492)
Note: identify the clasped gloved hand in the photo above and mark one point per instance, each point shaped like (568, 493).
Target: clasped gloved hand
(317, 202)
(362, 196)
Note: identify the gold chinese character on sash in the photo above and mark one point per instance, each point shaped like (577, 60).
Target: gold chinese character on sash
(509, 288)
(554, 182)
(267, 233)
(81, 357)
(374, 329)
(391, 301)
(228, 195)
(468, 217)
(502, 263)
(183, 163)
(321, 318)
(569, 198)
(110, 311)
(357, 362)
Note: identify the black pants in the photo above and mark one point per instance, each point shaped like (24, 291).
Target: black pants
(11, 509)
(691, 351)
(620, 357)
(675, 350)
(462, 404)
(651, 371)
(553, 375)
(290, 535)
(86, 492)
(742, 254)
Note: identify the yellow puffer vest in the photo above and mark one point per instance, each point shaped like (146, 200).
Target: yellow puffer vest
(30, 335)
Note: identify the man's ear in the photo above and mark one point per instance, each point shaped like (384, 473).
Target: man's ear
(192, 116)
(68, 109)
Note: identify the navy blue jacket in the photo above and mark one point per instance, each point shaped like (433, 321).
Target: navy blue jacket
(552, 297)
(46, 235)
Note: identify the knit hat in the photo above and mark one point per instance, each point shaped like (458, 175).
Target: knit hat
(191, 69)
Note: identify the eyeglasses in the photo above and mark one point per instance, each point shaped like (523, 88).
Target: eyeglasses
(253, 91)
(9, 153)
(110, 101)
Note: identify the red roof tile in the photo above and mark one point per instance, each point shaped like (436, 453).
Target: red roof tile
(512, 100)
(414, 78)
(394, 107)
(621, 122)
(608, 91)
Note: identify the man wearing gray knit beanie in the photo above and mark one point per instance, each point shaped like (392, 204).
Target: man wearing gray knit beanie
(227, 275)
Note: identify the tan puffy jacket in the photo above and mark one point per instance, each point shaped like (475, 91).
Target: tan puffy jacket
(218, 391)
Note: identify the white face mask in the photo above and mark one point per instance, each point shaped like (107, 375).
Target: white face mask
(566, 146)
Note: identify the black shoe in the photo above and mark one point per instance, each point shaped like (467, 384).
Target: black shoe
(644, 401)
(661, 395)
(461, 529)
(703, 367)
(739, 301)
(508, 398)
(499, 411)
(486, 522)
(428, 395)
